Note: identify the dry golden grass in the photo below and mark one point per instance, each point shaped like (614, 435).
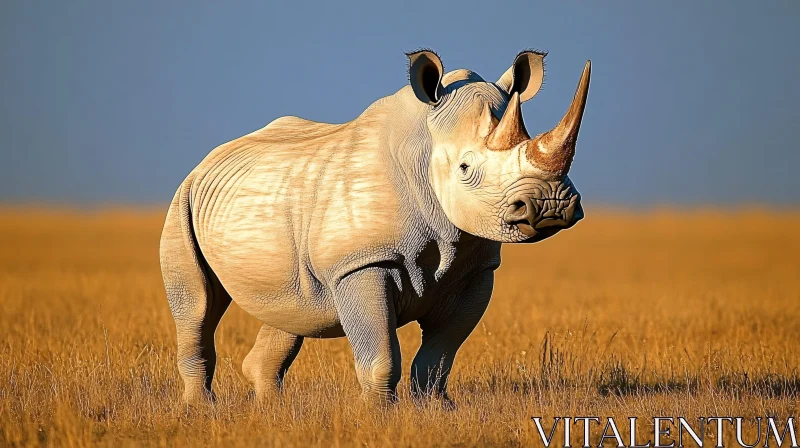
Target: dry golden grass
(690, 314)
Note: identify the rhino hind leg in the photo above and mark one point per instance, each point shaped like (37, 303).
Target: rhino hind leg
(196, 298)
(269, 360)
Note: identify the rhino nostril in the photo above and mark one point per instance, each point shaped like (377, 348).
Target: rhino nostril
(519, 208)
(518, 213)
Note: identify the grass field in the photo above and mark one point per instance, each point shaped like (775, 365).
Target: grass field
(659, 313)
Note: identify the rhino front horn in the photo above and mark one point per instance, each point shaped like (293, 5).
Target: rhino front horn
(553, 150)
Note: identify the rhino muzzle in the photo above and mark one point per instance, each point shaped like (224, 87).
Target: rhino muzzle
(544, 208)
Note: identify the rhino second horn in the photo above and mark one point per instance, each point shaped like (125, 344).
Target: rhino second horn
(511, 131)
(553, 150)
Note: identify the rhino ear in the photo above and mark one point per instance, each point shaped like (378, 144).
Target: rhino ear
(425, 71)
(525, 76)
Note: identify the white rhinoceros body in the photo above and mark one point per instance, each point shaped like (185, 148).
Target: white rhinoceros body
(323, 230)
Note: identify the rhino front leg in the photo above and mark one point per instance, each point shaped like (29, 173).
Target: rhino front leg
(366, 311)
(269, 360)
(444, 329)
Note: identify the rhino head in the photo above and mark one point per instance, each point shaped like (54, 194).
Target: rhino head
(491, 178)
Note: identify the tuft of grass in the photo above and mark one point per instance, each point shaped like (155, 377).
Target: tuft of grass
(649, 314)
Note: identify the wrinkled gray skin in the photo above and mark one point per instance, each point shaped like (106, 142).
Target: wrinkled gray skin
(322, 230)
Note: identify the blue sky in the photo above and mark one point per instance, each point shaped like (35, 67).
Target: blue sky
(114, 102)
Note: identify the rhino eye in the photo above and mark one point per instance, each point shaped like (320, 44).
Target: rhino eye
(463, 168)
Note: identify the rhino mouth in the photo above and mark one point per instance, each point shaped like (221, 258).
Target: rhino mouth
(556, 212)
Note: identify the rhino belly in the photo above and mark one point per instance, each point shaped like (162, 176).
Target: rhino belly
(258, 264)
(266, 278)
(293, 313)
(278, 300)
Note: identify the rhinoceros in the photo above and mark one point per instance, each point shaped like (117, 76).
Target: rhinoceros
(356, 229)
